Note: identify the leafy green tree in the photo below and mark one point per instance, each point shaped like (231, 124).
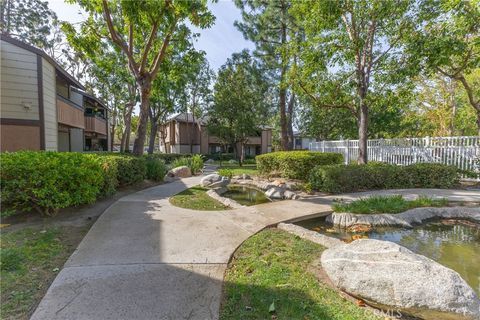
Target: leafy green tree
(143, 31)
(351, 55)
(241, 102)
(28, 20)
(447, 41)
(271, 27)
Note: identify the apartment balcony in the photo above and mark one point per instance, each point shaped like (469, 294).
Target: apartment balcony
(95, 124)
(70, 113)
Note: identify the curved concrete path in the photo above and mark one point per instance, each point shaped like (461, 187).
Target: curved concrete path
(146, 259)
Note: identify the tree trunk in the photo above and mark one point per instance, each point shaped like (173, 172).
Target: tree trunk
(128, 131)
(112, 137)
(291, 104)
(362, 133)
(242, 153)
(141, 133)
(478, 122)
(153, 135)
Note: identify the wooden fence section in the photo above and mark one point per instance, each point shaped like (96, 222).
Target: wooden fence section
(462, 152)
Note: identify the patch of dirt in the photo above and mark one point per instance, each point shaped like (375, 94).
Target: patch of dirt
(80, 216)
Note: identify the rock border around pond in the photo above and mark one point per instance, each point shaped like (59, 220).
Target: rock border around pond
(217, 195)
(404, 219)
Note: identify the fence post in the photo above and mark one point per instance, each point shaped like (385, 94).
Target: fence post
(323, 145)
(347, 154)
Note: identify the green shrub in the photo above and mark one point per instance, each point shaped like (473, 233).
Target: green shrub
(249, 161)
(353, 177)
(180, 162)
(195, 163)
(226, 173)
(110, 174)
(220, 156)
(48, 181)
(294, 164)
(130, 169)
(167, 157)
(156, 169)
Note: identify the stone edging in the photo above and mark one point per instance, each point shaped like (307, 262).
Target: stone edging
(313, 236)
(405, 219)
(216, 194)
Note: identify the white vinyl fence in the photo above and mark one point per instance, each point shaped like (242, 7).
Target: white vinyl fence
(462, 152)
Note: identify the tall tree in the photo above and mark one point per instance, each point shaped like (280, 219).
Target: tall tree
(28, 20)
(351, 54)
(143, 31)
(241, 102)
(447, 41)
(270, 25)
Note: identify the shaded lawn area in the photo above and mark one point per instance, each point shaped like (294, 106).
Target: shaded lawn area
(387, 204)
(196, 198)
(268, 278)
(237, 170)
(30, 259)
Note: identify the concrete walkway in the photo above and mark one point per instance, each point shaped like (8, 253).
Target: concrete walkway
(146, 259)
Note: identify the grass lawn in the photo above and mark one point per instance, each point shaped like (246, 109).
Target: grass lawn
(196, 198)
(237, 170)
(387, 204)
(268, 278)
(30, 260)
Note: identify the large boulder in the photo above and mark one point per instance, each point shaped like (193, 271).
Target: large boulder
(210, 179)
(178, 172)
(389, 276)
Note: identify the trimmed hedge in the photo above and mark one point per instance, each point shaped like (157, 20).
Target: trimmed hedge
(48, 181)
(353, 177)
(294, 164)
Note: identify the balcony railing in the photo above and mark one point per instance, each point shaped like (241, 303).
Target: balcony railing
(95, 124)
(69, 113)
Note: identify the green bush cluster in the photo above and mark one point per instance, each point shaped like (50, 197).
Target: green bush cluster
(155, 168)
(194, 162)
(226, 173)
(48, 181)
(220, 156)
(372, 176)
(294, 164)
(167, 157)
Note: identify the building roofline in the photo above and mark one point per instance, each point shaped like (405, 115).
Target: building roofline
(90, 96)
(28, 47)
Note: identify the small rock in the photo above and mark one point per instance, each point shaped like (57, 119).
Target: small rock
(219, 184)
(275, 193)
(278, 182)
(179, 172)
(246, 177)
(210, 161)
(210, 179)
(289, 194)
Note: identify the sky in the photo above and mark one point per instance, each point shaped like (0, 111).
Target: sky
(219, 42)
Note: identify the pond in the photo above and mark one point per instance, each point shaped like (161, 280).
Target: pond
(454, 244)
(245, 195)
